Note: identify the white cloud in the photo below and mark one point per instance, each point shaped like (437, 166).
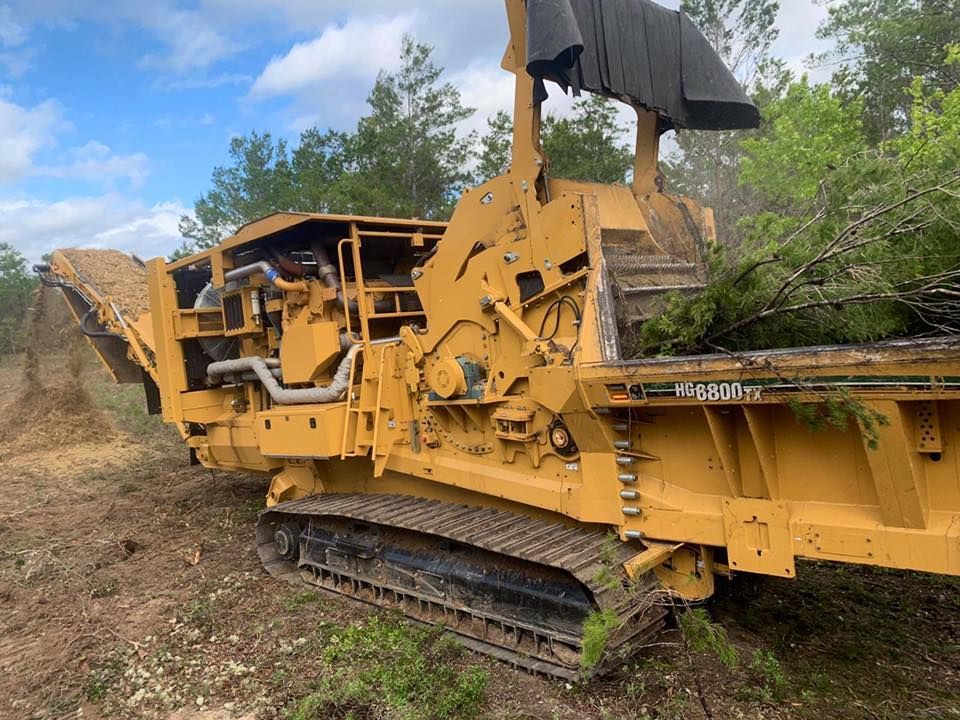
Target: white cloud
(169, 121)
(202, 82)
(460, 31)
(193, 42)
(359, 48)
(17, 63)
(95, 162)
(12, 33)
(487, 89)
(110, 221)
(23, 133)
(26, 132)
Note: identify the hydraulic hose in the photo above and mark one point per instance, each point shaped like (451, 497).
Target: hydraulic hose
(270, 272)
(92, 312)
(287, 265)
(43, 272)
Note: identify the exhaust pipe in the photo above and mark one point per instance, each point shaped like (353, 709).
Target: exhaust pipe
(328, 276)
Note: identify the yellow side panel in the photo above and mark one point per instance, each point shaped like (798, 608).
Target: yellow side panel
(308, 350)
(235, 445)
(309, 431)
(758, 536)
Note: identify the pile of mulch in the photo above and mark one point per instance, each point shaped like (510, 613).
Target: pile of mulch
(114, 274)
(53, 409)
(53, 417)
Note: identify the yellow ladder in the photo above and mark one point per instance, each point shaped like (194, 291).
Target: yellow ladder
(363, 419)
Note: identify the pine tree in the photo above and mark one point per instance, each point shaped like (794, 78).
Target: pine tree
(589, 146)
(16, 287)
(319, 163)
(707, 164)
(495, 147)
(257, 183)
(407, 156)
(882, 45)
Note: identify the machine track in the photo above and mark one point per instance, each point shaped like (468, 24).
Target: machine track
(511, 587)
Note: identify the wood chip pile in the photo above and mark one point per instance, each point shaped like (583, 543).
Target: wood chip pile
(115, 274)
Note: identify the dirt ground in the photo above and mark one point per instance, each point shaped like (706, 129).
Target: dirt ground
(129, 588)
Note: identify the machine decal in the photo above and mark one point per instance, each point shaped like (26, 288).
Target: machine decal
(757, 390)
(717, 392)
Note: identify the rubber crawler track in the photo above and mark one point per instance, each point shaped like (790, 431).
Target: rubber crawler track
(590, 557)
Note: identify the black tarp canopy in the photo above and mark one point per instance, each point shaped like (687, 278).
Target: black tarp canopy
(639, 51)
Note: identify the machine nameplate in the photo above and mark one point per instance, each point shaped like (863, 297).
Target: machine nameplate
(717, 392)
(757, 390)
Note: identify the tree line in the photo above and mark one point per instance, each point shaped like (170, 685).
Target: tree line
(404, 158)
(839, 216)
(16, 288)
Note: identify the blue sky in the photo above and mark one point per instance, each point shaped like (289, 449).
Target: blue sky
(112, 115)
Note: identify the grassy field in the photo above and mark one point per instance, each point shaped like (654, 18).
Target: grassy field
(129, 588)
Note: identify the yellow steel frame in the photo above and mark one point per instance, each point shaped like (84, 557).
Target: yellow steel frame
(729, 468)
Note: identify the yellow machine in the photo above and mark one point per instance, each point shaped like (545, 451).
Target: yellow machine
(445, 415)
